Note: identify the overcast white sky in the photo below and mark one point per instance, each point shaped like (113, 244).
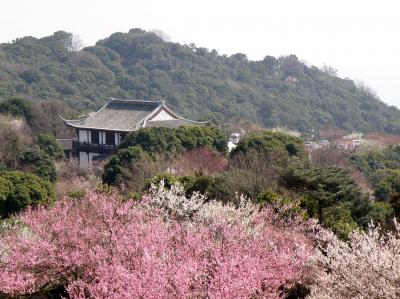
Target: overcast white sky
(359, 38)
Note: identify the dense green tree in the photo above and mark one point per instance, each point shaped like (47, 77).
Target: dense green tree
(266, 141)
(386, 182)
(16, 107)
(331, 195)
(50, 146)
(19, 190)
(373, 160)
(37, 161)
(170, 141)
(382, 169)
(130, 168)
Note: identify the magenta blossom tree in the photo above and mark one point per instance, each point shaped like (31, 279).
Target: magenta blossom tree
(102, 247)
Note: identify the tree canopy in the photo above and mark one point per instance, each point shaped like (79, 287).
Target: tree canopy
(197, 82)
(267, 141)
(331, 195)
(171, 141)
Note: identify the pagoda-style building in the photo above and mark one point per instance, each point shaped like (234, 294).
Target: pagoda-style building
(100, 134)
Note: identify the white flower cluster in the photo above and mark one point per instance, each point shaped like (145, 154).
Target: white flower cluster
(174, 203)
(228, 214)
(367, 266)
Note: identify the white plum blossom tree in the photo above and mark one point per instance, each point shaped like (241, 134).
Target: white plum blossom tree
(365, 266)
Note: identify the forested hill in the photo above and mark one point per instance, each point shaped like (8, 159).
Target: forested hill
(197, 82)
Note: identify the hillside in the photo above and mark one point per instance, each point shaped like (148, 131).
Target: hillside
(197, 82)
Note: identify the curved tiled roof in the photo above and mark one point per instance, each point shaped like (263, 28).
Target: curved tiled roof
(129, 115)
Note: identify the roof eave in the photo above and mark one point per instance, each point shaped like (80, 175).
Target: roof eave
(100, 129)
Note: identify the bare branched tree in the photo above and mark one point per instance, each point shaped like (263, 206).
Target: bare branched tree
(329, 70)
(161, 34)
(366, 88)
(74, 43)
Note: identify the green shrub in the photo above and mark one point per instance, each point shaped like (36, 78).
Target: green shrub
(284, 204)
(267, 141)
(381, 212)
(339, 219)
(168, 179)
(171, 141)
(50, 146)
(136, 158)
(19, 190)
(41, 163)
(130, 167)
(329, 194)
(16, 107)
(200, 183)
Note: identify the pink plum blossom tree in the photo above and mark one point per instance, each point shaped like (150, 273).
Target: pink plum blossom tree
(103, 247)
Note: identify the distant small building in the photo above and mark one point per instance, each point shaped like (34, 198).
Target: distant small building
(101, 133)
(310, 145)
(353, 136)
(234, 139)
(351, 144)
(324, 143)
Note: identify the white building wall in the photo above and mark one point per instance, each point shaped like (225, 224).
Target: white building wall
(163, 115)
(102, 137)
(116, 135)
(86, 159)
(83, 159)
(83, 136)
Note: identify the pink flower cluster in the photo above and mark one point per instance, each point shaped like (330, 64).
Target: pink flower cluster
(102, 247)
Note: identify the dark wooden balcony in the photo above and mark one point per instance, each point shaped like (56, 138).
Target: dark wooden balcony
(95, 148)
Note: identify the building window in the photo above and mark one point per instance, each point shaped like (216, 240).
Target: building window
(110, 138)
(123, 136)
(95, 137)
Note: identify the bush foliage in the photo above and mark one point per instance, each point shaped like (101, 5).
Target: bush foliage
(267, 141)
(139, 157)
(19, 190)
(38, 162)
(171, 141)
(331, 195)
(50, 146)
(381, 168)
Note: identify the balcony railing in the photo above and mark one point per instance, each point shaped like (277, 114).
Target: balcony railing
(96, 148)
